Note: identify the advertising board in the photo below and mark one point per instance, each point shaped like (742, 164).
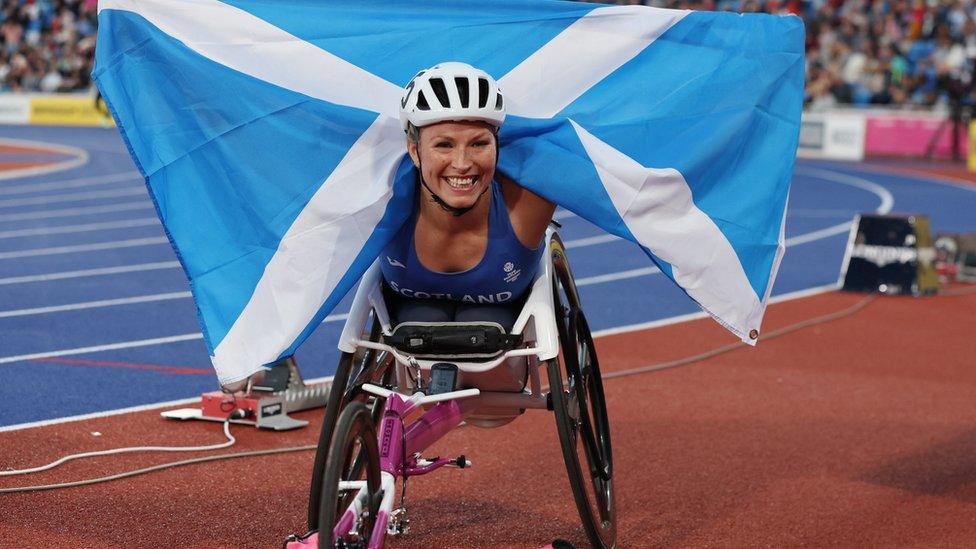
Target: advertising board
(837, 135)
(67, 111)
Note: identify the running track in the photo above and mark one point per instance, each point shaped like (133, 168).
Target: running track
(84, 265)
(850, 432)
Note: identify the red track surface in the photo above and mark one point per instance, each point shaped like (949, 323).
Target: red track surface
(855, 432)
(952, 171)
(19, 165)
(22, 149)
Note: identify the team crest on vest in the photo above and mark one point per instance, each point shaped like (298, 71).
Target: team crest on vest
(395, 263)
(511, 273)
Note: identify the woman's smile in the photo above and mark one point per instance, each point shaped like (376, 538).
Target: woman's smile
(462, 184)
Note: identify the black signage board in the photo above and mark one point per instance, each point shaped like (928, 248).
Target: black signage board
(890, 254)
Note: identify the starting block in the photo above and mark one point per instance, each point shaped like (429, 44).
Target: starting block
(265, 404)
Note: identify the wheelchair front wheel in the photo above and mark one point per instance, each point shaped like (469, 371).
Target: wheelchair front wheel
(366, 366)
(353, 456)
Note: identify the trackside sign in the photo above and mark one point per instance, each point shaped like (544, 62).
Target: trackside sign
(891, 254)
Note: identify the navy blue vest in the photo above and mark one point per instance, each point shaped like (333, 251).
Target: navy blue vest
(504, 273)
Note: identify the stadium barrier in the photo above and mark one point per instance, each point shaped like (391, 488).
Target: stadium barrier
(14, 109)
(54, 109)
(914, 135)
(854, 134)
(835, 135)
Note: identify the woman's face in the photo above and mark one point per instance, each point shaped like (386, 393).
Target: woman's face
(457, 160)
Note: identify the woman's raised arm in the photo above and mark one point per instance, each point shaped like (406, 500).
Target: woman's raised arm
(529, 212)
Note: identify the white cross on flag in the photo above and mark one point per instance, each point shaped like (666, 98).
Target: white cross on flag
(268, 135)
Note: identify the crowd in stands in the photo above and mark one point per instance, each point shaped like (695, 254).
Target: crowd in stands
(47, 45)
(891, 52)
(905, 53)
(858, 52)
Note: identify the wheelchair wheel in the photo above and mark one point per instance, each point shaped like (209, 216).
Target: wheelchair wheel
(352, 371)
(576, 390)
(354, 436)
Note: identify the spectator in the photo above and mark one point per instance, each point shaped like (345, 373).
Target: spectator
(881, 52)
(47, 45)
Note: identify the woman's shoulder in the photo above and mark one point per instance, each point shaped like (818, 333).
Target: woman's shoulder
(529, 213)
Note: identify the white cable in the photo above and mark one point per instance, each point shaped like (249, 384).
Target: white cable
(230, 442)
(155, 468)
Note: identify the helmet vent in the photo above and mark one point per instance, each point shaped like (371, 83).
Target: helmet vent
(482, 93)
(440, 91)
(499, 103)
(462, 88)
(422, 104)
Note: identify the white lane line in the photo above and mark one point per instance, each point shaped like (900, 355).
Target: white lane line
(152, 406)
(922, 175)
(71, 212)
(90, 272)
(84, 228)
(120, 411)
(78, 248)
(97, 415)
(73, 183)
(80, 157)
(94, 304)
(610, 277)
(590, 241)
(586, 281)
(109, 149)
(134, 190)
(821, 212)
(702, 314)
(840, 228)
(633, 273)
(128, 344)
(100, 348)
(598, 279)
(887, 200)
(800, 239)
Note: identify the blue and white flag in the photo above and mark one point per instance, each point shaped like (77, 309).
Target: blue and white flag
(268, 135)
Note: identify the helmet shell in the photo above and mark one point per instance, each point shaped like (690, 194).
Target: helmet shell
(451, 91)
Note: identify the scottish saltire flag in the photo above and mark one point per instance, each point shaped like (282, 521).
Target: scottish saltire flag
(268, 135)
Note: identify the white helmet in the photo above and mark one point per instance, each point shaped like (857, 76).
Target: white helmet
(451, 91)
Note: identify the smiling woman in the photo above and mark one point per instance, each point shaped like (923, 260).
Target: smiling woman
(472, 245)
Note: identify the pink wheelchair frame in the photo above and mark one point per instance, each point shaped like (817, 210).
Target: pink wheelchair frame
(367, 443)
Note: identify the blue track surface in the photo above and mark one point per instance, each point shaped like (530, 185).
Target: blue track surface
(103, 202)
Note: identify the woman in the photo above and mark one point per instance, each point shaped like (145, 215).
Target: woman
(471, 248)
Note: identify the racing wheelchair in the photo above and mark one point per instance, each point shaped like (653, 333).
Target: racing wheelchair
(457, 373)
